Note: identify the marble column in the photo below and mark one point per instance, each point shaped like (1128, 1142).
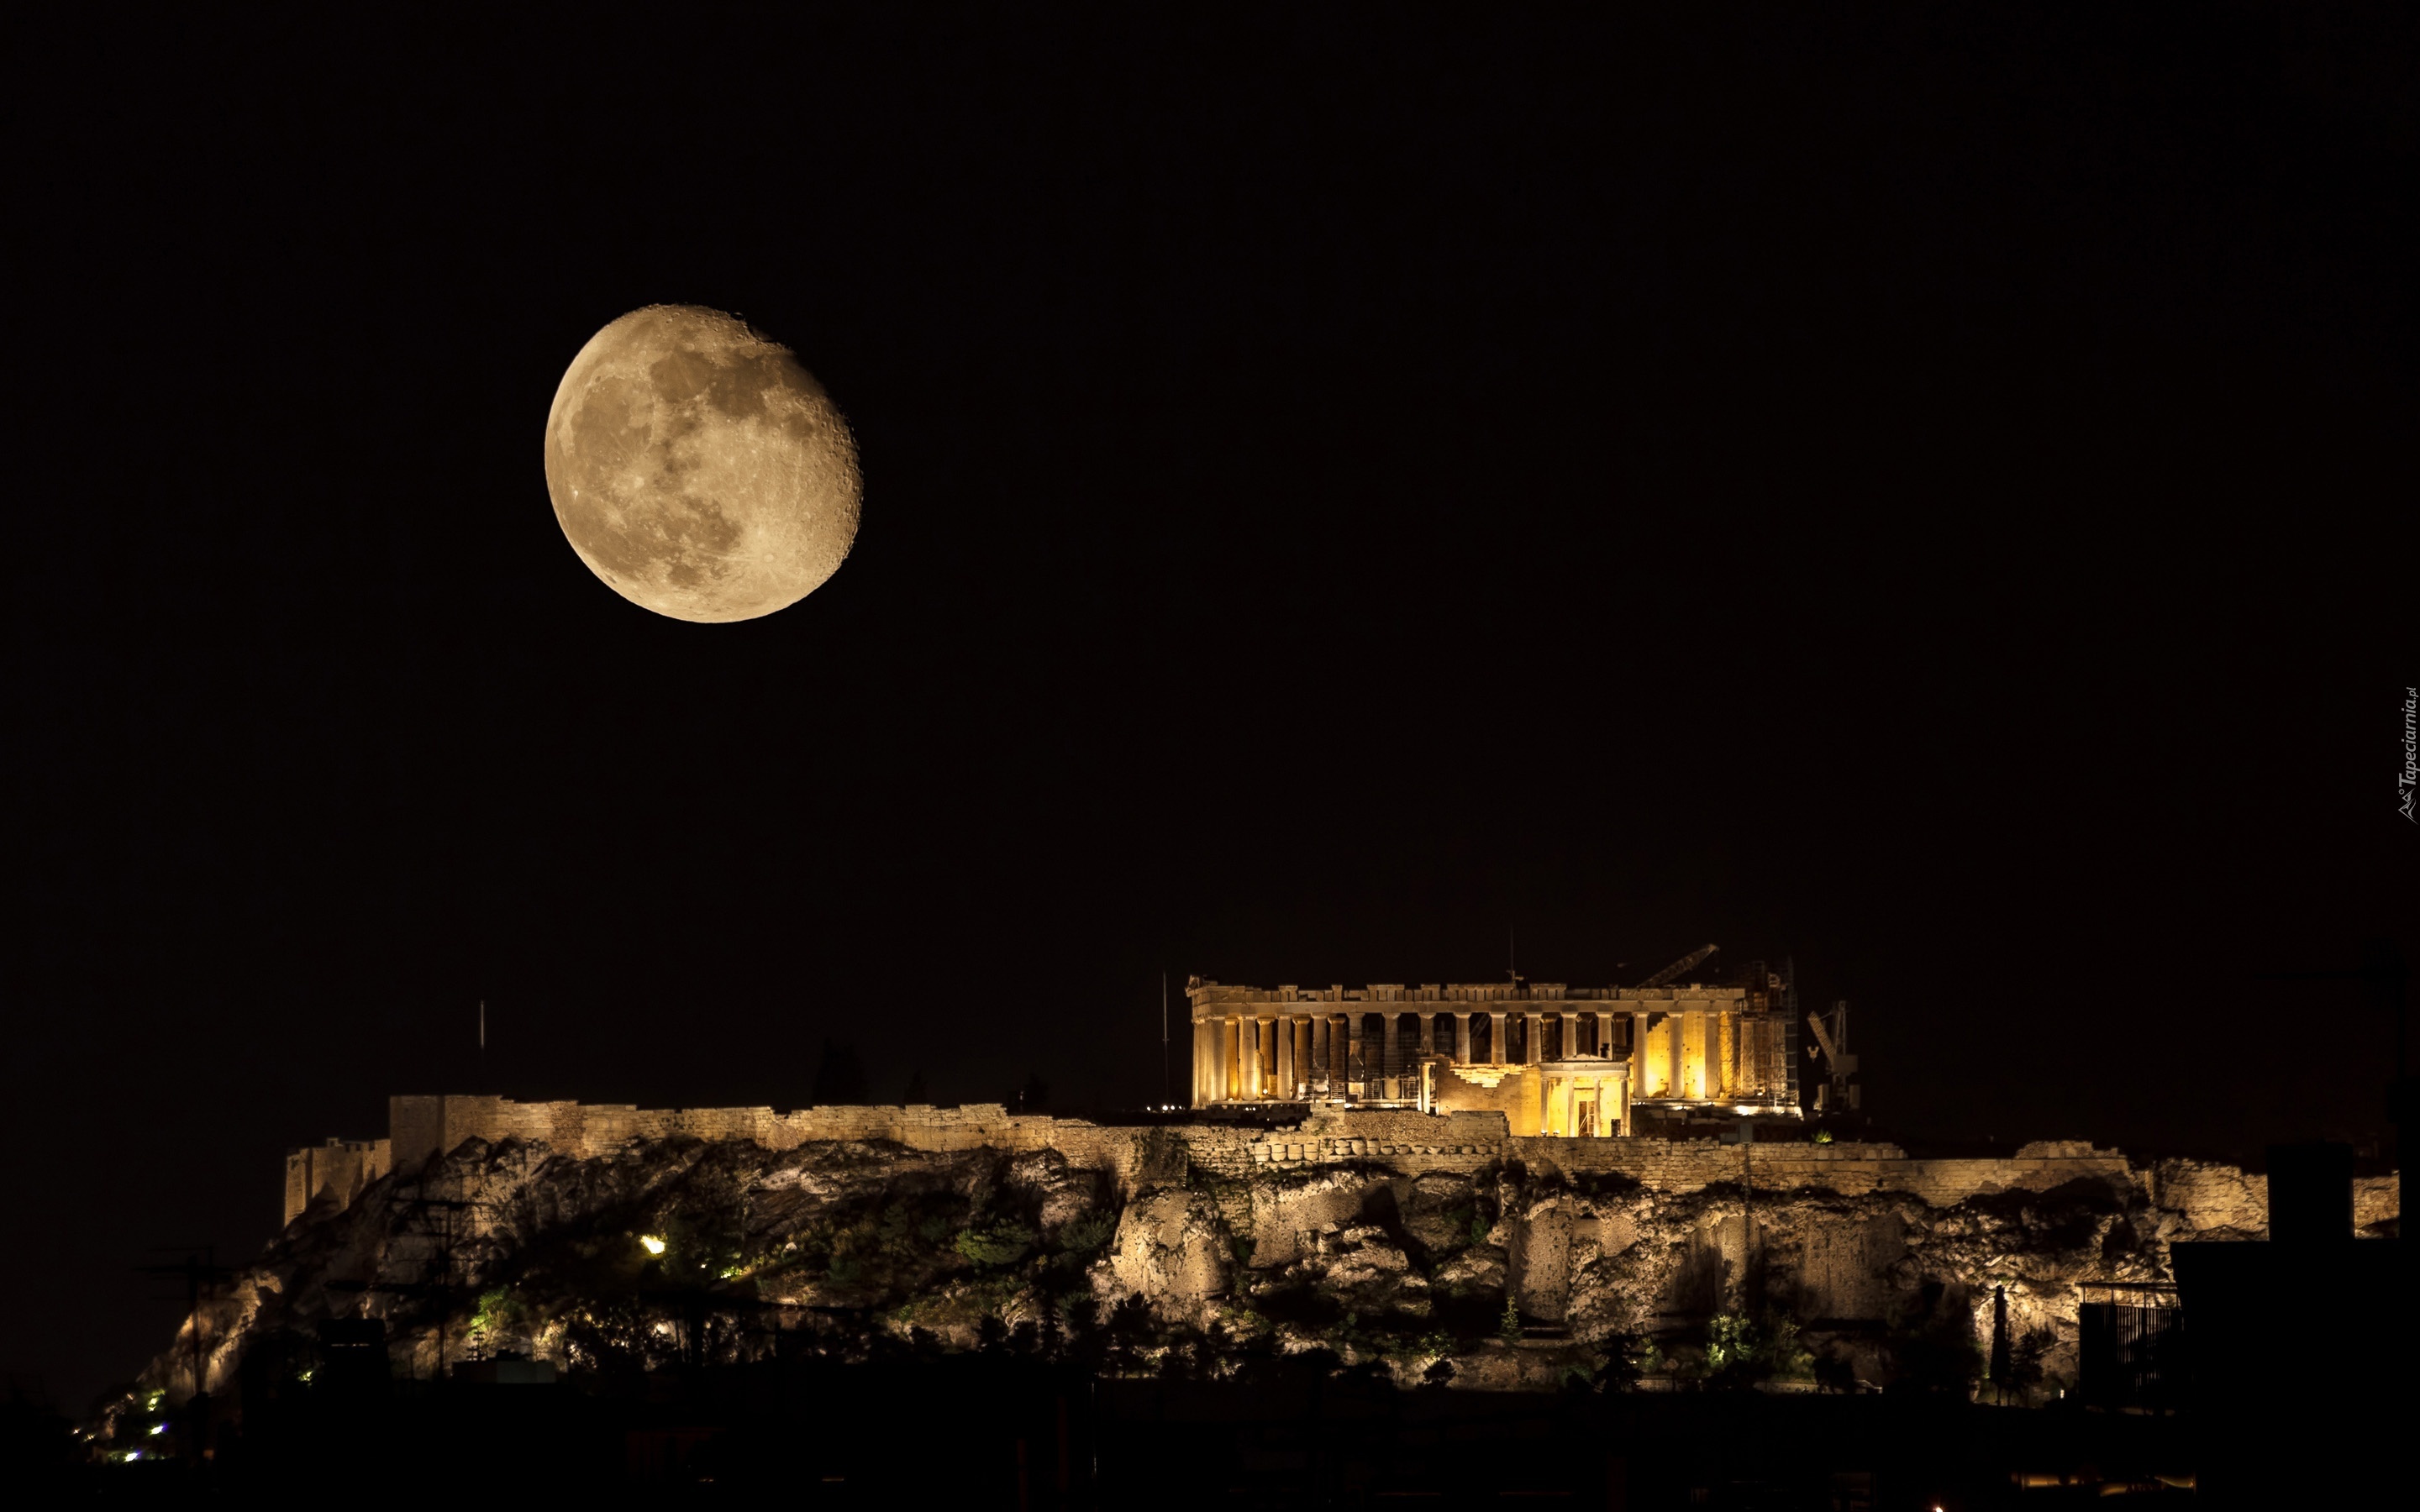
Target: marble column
(1532, 1038)
(1357, 1069)
(1461, 1039)
(1287, 1085)
(1394, 1062)
(1495, 1039)
(1319, 1075)
(1428, 1034)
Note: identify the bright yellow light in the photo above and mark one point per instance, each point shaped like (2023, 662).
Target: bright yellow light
(651, 1243)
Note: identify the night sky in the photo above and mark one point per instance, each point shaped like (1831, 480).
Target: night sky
(1924, 490)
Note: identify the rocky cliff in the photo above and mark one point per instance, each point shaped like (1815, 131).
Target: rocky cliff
(1392, 1244)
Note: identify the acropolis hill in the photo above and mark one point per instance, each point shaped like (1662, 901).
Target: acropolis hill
(1519, 1181)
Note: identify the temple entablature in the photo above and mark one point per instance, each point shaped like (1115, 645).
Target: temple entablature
(1578, 1062)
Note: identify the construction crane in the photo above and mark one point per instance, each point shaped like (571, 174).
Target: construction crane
(1840, 1093)
(1685, 964)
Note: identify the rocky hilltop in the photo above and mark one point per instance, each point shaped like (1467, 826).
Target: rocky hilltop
(1422, 1248)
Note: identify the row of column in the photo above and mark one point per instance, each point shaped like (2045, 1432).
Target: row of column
(1292, 1055)
(1582, 1106)
(1696, 1056)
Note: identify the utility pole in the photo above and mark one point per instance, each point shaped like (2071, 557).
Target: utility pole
(201, 1273)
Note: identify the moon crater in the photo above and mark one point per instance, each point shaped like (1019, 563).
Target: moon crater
(697, 468)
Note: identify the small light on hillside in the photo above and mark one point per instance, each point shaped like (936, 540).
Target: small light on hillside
(651, 1243)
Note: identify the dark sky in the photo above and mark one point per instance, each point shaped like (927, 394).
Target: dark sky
(1924, 489)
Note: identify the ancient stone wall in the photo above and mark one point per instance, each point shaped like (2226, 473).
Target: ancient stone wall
(421, 1127)
(1513, 1097)
(1384, 1212)
(2222, 1201)
(336, 1171)
(2207, 1198)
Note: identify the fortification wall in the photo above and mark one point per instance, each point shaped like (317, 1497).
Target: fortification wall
(1411, 1142)
(421, 1127)
(337, 1171)
(425, 1126)
(2208, 1198)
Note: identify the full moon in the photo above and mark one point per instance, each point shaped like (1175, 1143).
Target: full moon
(698, 469)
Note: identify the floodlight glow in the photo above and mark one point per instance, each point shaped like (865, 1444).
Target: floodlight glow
(651, 1243)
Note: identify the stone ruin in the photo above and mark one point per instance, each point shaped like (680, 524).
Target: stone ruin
(1388, 1235)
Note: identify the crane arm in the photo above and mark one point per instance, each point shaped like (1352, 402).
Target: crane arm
(1679, 966)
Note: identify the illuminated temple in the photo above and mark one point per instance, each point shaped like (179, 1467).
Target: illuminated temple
(1580, 1062)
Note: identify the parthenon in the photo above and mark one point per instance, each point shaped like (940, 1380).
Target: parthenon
(1555, 1059)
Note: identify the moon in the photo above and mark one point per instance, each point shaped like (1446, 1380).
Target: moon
(697, 468)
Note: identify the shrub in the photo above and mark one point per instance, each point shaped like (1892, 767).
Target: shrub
(1730, 1344)
(1783, 1354)
(1741, 1351)
(498, 1312)
(1082, 1236)
(1001, 1244)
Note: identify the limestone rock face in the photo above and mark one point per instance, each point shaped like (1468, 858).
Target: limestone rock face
(1172, 1249)
(1190, 1253)
(2208, 1200)
(1357, 1271)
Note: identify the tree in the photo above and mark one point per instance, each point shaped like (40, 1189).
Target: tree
(2025, 1373)
(2001, 1364)
(1619, 1361)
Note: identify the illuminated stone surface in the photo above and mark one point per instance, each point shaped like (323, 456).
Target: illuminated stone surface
(1551, 1058)
(1413, 1224)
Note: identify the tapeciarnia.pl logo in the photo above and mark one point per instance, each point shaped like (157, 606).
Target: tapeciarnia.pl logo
(2410, 780)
